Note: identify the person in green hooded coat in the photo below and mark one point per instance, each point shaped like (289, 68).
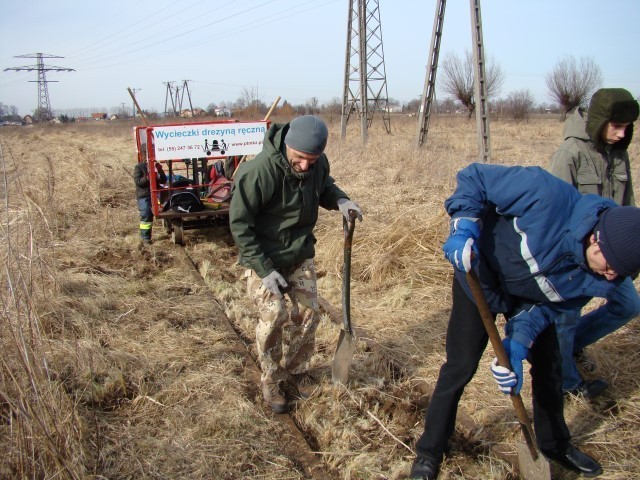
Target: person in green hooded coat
(274, 209)
(594, 159)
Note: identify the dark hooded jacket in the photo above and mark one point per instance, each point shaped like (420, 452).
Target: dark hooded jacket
(589, 164)
(274, 209)
(141, 179)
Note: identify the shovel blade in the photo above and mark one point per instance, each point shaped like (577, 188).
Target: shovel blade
(530, 468)
(343, 357)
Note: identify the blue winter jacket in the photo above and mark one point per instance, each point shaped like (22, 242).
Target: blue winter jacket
(532, 264)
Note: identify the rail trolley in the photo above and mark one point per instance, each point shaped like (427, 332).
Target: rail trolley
(199, 160)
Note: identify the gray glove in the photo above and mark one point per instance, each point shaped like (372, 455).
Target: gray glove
(273, 282)
(344, 205)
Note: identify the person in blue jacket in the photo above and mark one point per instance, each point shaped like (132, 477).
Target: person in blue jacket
(539, 248)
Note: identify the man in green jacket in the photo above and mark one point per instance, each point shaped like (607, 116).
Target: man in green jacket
(274, 209)
(594, 159)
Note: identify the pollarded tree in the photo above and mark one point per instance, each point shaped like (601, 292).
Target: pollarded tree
(459, 79)
(572, 85)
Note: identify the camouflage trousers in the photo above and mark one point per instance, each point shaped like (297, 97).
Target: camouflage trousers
(285, 338)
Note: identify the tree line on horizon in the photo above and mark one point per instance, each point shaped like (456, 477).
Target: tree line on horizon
(570, 84)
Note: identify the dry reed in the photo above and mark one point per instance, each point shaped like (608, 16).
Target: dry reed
(114, 364)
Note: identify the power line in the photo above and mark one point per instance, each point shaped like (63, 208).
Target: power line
(44, 112)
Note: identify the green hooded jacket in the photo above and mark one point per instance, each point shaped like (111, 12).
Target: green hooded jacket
(274, 209)
(593, 167)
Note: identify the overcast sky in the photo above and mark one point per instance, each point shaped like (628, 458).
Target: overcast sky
(290, 48)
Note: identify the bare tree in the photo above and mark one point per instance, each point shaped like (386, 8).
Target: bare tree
(312, 105)
(250, 102)
(459, 79)
(519, 104)
(571, 85)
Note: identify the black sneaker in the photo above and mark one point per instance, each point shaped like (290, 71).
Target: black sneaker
(589, 390)
(425, 468)
(573, 459)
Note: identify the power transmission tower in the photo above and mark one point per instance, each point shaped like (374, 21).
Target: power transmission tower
(44, 112)
(185, 87)
(133, 97)
(365, 78)
(169, 96)
(482, 117)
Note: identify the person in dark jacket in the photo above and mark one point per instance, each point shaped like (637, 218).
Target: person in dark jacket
(274, 209)
(143, 196)
(539, 248)
(594, 159)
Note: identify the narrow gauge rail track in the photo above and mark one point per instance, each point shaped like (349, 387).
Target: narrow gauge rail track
(301, 446)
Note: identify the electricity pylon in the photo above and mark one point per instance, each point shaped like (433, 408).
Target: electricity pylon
(482, 116)
(44, 105)
(365, 78)
(177, 97)
(169, 96)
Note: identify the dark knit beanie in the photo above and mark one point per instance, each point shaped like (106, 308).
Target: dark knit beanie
(618, 235)
(307, 134)
(611, 105)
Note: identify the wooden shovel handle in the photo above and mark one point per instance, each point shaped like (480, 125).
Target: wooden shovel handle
(503, 359)
(348, 227)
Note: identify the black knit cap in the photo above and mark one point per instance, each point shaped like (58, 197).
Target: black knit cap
(618, 235)
(307, 134)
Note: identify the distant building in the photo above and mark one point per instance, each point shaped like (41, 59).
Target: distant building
(394, 108)
(99, 116)
(222, 112)
(197, 112)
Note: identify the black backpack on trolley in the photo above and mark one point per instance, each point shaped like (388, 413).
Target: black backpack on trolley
(185, 201)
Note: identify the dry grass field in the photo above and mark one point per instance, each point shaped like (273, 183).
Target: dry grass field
(116, 363)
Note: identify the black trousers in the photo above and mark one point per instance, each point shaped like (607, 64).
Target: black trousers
(466, 341)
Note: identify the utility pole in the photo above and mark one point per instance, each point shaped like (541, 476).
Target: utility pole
(482, 116)
(44, 112)
(365, 78)
(428, 93)
(133, 91)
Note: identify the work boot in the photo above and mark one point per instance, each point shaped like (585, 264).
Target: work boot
(588, 389)
(305, 384)
(274, 397)
(425, 468)
(573, 459)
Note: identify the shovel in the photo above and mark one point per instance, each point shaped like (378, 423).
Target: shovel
(343, 355)
(532, 465)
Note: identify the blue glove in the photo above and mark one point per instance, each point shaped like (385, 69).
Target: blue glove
(344, 205)
(506, 378)
(517, 354)
(460, 248)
